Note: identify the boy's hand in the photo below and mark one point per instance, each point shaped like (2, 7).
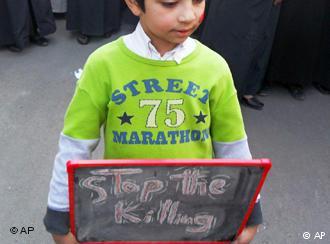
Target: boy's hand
(65, 239)
(247, 235)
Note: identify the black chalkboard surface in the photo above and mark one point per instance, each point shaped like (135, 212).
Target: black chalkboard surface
(172, 201)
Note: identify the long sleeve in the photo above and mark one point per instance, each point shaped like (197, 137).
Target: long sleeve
(69, 149)
(237, 149)
(227, 127)
(228, 134)
(79, 138)
(57, 216)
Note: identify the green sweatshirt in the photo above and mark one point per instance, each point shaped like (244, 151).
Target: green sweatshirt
(155, 109)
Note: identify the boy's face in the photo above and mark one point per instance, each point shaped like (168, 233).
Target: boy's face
(169, 22)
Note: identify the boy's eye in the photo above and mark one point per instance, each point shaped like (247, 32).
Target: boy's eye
(169, 4)
(173, 4)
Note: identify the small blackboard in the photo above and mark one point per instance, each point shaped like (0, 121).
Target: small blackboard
(163, 201)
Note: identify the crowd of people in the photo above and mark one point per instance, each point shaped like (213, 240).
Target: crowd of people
(25, 21)
(283, 41)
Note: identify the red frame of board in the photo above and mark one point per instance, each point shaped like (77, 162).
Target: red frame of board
(73, 165)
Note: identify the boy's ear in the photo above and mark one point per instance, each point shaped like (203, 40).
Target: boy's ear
(134, 7)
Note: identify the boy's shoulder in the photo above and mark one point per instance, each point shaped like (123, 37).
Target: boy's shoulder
(111, 49)
(212, 58)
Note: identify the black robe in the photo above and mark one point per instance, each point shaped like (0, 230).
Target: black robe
(59, 6)
(322, 76)
(19, 19)
(94, 17)
(295, 53)
(242, 32)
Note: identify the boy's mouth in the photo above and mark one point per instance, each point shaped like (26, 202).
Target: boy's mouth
(185, 32)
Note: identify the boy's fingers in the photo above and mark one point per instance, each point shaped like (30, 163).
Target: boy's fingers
(65, 239)
(247, 235)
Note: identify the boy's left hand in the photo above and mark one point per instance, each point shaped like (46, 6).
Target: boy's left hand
(65, 239)
(247, 235)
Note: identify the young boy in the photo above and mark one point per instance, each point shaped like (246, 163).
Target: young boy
(159, 94)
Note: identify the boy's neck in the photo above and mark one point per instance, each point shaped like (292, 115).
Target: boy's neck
(162, 46)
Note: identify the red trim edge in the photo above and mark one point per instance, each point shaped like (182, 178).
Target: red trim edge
(74, 164)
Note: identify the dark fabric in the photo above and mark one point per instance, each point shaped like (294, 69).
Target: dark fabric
(257, 74)
(57, 222)
(59, 6)
(43, 16)
(17, 17)
(295, 50)
(322, 76)
(6, 37)
(14, 23)
(256, 215)
(93, 17)
(242, 32)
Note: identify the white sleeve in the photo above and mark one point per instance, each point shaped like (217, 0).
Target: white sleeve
(69, 149)
(235, 150)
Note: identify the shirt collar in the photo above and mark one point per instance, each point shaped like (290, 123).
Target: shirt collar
(140, 43)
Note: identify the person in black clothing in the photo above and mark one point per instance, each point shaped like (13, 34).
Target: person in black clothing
(93, 18)
(59, 6)
(296, 51)
(22, 21)
(242, 32)
(322, 80)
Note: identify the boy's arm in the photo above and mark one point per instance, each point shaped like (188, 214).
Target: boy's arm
(80, 136)
(236, 149)
(82, 123)
(57, 216)
(239, 149)
(230, 141)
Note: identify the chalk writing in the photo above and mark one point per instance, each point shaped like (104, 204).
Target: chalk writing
(192, 182)
(149, 187)
(122, 214)
(167, 213)
(117, 173)
(88, 183)
(169, 202)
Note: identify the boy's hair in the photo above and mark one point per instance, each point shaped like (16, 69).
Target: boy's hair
(141, 4)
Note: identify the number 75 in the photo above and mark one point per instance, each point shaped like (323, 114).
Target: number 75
(151, 120)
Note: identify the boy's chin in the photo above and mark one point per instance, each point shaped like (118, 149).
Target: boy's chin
(179, 39)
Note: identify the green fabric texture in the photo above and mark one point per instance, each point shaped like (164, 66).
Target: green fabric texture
(155, 109)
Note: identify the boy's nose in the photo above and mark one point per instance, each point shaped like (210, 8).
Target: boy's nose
(187, 15)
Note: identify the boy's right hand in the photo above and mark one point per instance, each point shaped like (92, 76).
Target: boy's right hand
(65, 239)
